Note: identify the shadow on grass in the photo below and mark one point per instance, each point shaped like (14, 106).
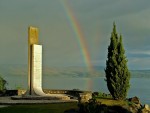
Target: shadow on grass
(99, 109)
(71, 111)
(40, 108)
(118, 109)
(96, 107)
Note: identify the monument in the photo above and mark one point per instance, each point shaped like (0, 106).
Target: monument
(34, 64)
(32, 39)
(35, 68)
(35, 91)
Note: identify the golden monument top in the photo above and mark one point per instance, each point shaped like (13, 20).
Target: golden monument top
(32, 35)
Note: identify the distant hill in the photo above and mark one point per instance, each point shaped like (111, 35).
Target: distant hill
(21, 70)
(140, 73)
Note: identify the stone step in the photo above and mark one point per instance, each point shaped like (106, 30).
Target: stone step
(52, 97)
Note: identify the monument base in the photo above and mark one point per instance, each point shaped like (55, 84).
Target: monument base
(47, 97)
(9, 101)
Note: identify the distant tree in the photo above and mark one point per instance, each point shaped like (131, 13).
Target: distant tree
(2, 85)
(117, 73)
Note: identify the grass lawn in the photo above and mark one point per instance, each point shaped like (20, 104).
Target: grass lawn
(40, 108)
(58, 107)
(111, 102)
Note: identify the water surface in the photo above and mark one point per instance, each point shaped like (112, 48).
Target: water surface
(139, 86)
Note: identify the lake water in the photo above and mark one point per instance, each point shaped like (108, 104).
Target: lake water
(140, 87)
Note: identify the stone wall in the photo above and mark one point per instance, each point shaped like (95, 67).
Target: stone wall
(85, 97)
(82, 96)
(48, 91)
(10, 93)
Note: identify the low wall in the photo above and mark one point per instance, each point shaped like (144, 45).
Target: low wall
(10, 93)
(53, 91)
(48, 91)
(82, 96)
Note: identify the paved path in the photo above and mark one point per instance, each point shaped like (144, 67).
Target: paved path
(9, 101)
(2, 106)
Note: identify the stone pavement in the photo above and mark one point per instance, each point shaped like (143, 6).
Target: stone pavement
(9, 101)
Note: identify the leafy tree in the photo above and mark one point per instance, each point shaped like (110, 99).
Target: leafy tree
(117, 73)
(2, 85)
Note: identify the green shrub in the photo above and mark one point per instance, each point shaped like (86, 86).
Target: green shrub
(101, 95)
(90, 107)
(2, 85)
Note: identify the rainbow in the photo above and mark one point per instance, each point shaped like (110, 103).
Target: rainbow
(89, 84)
(78, 32)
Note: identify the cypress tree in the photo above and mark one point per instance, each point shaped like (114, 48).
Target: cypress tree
(117, 73)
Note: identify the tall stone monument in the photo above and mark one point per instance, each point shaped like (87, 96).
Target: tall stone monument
(35, 68)
(34, 64)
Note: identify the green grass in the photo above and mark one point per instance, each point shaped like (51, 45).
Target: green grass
(111, 102)
(58, 107)
(44, 108)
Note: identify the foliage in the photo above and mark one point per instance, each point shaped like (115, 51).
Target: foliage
(101, 95)
(103, 106)
(2, 85)
(117, 74)
(90, 107)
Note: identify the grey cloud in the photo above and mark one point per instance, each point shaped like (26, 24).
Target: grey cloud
(139, 63)
(59, 39)
(139, 55)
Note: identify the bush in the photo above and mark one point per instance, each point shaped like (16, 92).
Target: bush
(2, 86)
(90, 107)
(94, 106)
(101, 95)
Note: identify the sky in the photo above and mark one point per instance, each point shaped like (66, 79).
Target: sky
(60, 40)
